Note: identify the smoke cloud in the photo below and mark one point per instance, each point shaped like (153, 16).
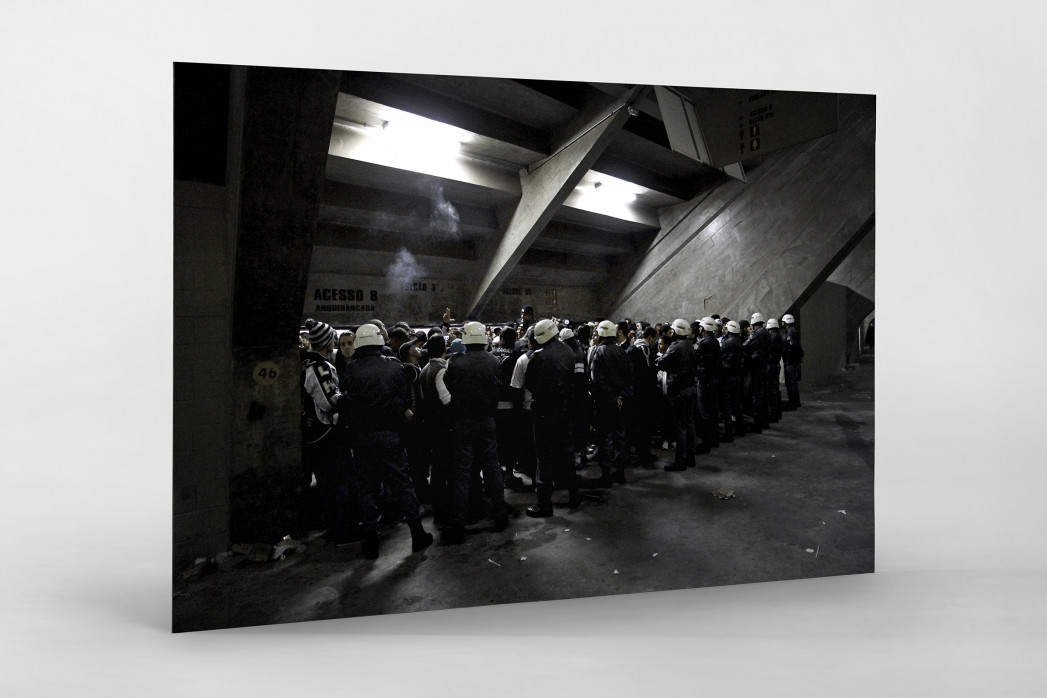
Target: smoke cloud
(402, 272)
(443, 220)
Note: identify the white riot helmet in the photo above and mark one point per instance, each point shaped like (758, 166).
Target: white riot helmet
(757, 317)
(474, 333)
(681, 328)
(772, 324)
(788, 319)
(708, 324)
(369, 336)
(606, 328)
(544, 331)
(733, 327)
(566, 333)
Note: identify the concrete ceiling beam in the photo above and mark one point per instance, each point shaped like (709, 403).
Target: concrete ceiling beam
(546, 185)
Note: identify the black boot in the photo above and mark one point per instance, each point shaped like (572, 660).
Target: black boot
(605, 477)
(420, 538)
(619, 476)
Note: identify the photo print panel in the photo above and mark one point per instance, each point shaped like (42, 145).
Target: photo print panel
(451, 341)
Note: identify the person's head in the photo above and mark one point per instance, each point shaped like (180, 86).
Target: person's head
(435, 346)
(455, 347)
(532, 343)
(772, 325)
(369, 338)
(322, 336)
(398, 336)
(663, 344)
(584, 333)
(624, 328)
(474, 335)
(409, 353)
(544, 331)
(508, 337)
(381, 328)
(527, 315)
(788, 319)
(347, 344)
(607, 331)
(650, 335)
(756, 320)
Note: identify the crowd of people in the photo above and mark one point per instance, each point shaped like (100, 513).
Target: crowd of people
(397, 420)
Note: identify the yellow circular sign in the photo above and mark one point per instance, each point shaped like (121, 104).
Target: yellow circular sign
(266, 372)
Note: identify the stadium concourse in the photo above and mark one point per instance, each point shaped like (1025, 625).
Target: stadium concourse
(793, 502)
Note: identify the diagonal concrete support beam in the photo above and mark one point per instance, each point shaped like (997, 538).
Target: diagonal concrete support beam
(546, 184)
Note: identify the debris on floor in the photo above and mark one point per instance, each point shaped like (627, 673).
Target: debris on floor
(493, 562)
(723, 493)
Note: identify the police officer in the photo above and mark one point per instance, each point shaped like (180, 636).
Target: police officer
(732, 385)
(641, 409)
(756, 351)
(792, 357)
(378, 395)
(611, 382)
(471, 391)
(774, 370)
(708, 364)
(549, 379)
(678, 362)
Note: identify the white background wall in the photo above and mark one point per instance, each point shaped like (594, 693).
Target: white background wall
(956, 606)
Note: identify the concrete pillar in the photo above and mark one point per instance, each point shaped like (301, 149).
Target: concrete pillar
(288, 115)
(546, 187)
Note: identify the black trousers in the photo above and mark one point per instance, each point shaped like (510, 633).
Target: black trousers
(380, 459)
(609, 424)
(333, 504)
(708, 400)
(475, 451)
(792, 383)
(555, 467)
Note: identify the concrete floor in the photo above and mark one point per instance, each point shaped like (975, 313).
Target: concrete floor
(803, 507)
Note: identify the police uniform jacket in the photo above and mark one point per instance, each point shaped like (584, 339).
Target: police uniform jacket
(377, 391)
(792, 351)
(708, 358)
(549, 378)
(731, 355)
(473, 381)
(678, 362)
(611, 372)
(756, 350)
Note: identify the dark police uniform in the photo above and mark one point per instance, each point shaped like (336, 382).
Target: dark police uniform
(678, 362)
(549, 378)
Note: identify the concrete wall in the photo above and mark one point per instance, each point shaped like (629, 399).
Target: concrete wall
(203, 254)
(767, 244)
(824, 334)
(204, 230)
